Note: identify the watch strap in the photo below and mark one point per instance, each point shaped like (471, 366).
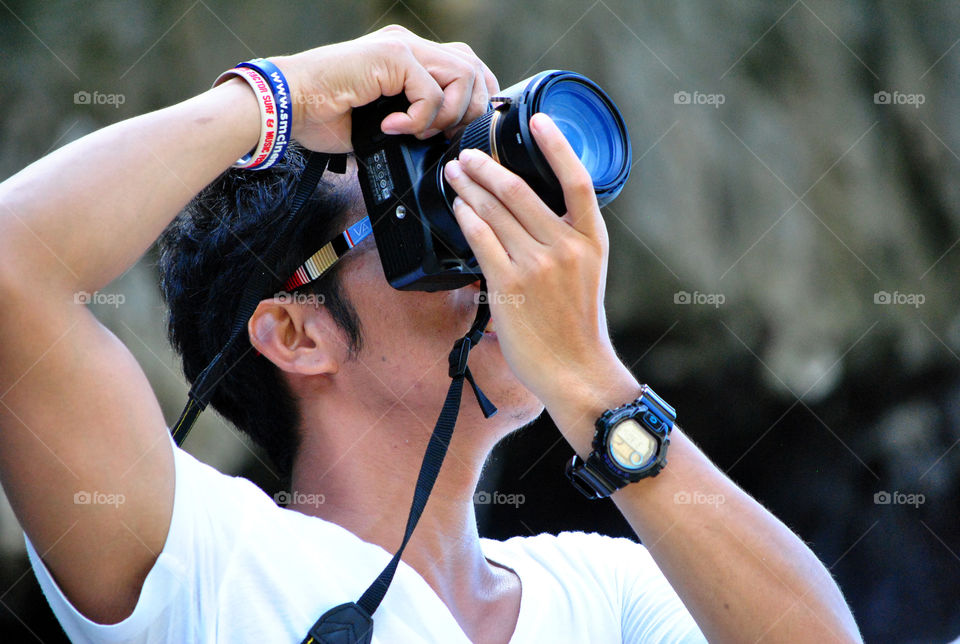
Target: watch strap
(597, 479)
(590, 479)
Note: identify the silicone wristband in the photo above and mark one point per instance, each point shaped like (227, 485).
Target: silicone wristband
(268, 117)
(283, 101)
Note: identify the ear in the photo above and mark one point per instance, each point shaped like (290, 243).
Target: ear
(300, 338)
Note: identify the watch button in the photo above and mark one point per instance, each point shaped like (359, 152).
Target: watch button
(652, 420)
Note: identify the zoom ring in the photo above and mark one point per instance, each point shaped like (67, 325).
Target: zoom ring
(477, 134)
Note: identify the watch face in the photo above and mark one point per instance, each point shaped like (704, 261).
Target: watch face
(631, 446)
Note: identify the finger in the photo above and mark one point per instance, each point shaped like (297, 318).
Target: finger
(454, 73)
(479, 99)
(578, 193)
(423, 92)
(529, 210)
(486, 85)
(493, 86)
(457, 81)
(491, 255)
(466, 81)
(513, 237)
(477, 106)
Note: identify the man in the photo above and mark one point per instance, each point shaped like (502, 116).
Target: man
(187, 554)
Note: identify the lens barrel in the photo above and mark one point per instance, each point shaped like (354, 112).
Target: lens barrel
(477, 134)
(585, 114)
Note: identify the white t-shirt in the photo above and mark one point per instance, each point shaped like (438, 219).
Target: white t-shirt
(238, 568)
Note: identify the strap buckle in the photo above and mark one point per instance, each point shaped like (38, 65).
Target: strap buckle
(458, 357)
(588, 481)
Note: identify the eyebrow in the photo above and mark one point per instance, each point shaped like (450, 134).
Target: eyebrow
(329, 254)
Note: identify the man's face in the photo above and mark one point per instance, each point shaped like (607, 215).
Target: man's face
(407, 336)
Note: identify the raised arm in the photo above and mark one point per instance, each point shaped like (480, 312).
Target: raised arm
(742, 574)
(77, 414)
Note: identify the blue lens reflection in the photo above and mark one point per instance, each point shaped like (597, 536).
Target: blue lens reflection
(588, 124)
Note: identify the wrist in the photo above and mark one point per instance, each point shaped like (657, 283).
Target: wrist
(585, 395)
(245, 111)
(629, 444)
(290, 67)
(275, 102)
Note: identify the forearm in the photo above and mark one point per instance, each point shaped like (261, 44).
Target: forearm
(743, 575)
(79, 217)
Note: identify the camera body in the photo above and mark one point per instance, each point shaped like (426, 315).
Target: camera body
(420, 244)
(409, 201)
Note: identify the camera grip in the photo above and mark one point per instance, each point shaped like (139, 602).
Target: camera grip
(366, 119)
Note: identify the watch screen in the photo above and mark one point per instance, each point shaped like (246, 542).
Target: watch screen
(631, 446)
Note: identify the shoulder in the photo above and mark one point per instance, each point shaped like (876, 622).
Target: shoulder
(611, 574)
(210, 510)
(206, 499)
(580, 549)
(611, 564)
(203, 482)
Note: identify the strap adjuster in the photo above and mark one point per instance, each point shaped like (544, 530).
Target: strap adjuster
(458, 358)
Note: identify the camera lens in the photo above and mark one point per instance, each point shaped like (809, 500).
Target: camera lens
(589, 126)
(586, 116)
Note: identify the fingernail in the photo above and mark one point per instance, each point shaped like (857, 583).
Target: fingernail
(469, 156)
(539, 121)
(453, 170)
(457, 203)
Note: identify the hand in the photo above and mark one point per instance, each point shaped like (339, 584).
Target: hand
(545, 274)
(446, 84)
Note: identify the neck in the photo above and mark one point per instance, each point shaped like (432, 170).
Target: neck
(371, 495)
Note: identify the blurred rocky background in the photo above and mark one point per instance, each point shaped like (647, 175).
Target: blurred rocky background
(783, 265)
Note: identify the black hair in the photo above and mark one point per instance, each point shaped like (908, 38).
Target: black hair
(206, 255)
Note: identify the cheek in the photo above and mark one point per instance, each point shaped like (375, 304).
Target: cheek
(414, 327)
(407, 337)
(407, 320)
(406, 334)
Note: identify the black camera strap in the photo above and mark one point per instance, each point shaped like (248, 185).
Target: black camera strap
(352, 623)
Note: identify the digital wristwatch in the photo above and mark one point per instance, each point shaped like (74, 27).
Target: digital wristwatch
(630, 444)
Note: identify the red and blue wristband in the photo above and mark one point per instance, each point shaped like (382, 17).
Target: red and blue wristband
(283, 101)
(276, 111)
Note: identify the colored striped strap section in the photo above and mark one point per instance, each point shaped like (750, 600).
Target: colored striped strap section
(321, 261)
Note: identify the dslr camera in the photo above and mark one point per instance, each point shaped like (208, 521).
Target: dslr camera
(409, 202)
